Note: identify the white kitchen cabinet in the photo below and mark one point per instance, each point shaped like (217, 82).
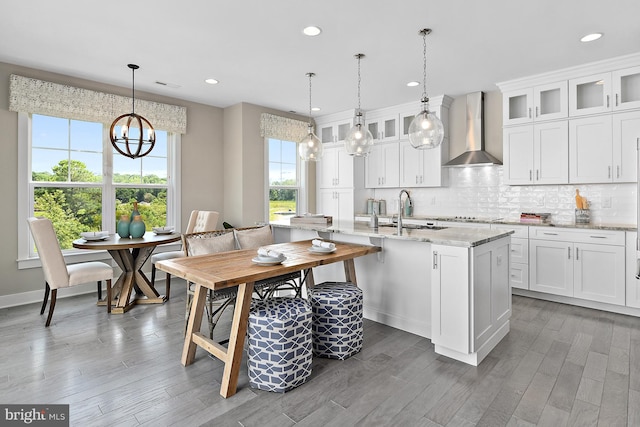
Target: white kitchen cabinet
(335, 168)
(586, 264)
(551, 267)
(471, 299)
(542, 102)
(632, 269)
(626, 88)
(605, 92)
(337, 203)
(536, 154)
(599, 273)
(334, 132)
(518, 255)
(590, 150)
(383, 128)
(423, 168)
(382, 166)
(626, 138)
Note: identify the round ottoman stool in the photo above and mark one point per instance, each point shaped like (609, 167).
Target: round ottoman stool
(279, 351)
(337, 319)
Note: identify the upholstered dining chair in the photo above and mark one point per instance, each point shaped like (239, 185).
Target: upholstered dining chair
(57, 274)
(198, 221)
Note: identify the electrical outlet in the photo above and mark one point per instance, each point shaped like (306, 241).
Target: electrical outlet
(541, 200)
(606, 202)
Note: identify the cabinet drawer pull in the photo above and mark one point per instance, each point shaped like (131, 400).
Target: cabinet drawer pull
(598, 237)
(435, 260)
(550, 234)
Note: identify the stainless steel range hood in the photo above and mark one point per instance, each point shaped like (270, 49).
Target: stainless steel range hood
(475, 154)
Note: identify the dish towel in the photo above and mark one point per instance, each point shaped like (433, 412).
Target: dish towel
(323, 244)
(269, 253)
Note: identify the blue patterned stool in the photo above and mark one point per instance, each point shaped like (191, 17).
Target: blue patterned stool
(280, 352)
(337, 319)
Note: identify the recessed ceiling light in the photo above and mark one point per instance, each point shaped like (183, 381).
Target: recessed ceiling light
(312, 30)
(412, 84)
(315, 109)
(212, 81)
(591, 37)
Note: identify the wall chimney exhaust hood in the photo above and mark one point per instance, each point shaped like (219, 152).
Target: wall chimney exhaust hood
(475, 154)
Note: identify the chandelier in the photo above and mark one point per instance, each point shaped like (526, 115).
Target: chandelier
(359, 140)
(310, 148)
(426, 130)
(136, 137)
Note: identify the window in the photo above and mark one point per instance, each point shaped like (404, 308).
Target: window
(74, 176)
(284, 179)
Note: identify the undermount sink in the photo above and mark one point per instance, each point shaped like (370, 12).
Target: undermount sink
(415, 226)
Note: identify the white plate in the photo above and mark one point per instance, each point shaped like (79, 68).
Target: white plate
(321, 250)
(260, 261)
(263, 258)
(95, 238)
(94, 235)
(163, 231)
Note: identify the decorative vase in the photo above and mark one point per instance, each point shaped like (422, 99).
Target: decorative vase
(137, 227)
(134, 212)
(123, 226)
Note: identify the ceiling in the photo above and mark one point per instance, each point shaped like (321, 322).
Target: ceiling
(257, 51)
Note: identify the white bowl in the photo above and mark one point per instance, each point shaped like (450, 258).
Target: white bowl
(164, 230)
(281, 258)
(94, 235)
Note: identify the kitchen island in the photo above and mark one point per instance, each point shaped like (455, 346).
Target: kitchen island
(450, 285)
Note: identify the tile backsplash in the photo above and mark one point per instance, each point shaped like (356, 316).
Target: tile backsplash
(480, 192)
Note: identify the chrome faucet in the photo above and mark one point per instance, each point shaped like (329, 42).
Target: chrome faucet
(400, 209)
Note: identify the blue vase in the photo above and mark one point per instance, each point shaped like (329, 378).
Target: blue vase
(134, 212)
(137, 227)
(123, 226)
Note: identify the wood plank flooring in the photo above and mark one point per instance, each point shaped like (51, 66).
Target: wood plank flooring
(559, 366)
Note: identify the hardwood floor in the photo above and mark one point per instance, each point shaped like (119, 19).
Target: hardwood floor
(560, 365)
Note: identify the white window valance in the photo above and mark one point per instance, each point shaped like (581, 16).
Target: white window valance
(40, 97)
(283, 128)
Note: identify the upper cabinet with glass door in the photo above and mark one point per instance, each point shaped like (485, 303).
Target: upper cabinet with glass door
(334, 128)
(605, 92)
(383, 127)
(538, 103)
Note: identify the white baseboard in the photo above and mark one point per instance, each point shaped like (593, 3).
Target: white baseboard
(31, 297)
(422, 328)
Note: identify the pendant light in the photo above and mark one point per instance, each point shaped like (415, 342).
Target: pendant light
(137, 136)
(426, 130)
(310, 148)
(359, 140)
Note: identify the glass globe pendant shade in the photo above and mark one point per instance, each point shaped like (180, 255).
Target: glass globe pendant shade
(310, 148)
(358, 141)
(426, 131)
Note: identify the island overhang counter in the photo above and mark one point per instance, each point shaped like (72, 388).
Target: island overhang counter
(449, 285)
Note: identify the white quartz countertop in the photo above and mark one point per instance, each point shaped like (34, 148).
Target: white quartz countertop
(507, 221)
(453, 236)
